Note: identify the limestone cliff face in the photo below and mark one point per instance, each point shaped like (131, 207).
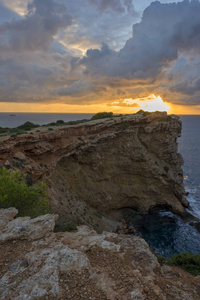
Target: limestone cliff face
(128, 164)
(105, 165)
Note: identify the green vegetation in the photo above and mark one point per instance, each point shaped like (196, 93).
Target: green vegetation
(102, 115)
(166, 168)
(60, 122)
(123, 126)
(63, 225)
(3, 130)
(187, 261)
(98, 214)
(14, 132)
(27, 126)
(92, 137)
(29, 199)
(145, 113)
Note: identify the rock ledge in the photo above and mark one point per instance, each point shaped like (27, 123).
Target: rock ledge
(83, 265)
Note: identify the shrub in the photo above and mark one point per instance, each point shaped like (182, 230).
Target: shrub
(145, 113)
(77, 122)
(63, 225)
(92, 137)
(123, 126)
(14, 192)
(50, 124)
(3, 130)
(60, 122)
(17, 163)
(102, 115)
(161, 259)
(166, 169)
(28, 126)
(187, 261)
(13, 135)
(98, 214)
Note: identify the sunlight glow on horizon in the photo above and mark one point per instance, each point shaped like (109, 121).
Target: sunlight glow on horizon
(150, 103)
(123, 106)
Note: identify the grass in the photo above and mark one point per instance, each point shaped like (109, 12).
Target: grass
(187, 261)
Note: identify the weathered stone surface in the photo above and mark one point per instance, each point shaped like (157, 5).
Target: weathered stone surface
(44, 265)
(6, 215)
(26, 228)
(19, 156)
(86, 265)
(131, 164)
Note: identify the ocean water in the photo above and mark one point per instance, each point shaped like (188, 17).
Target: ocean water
(189, 147)
(166, 233)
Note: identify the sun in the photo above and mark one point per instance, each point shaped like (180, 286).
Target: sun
(154, 103)
(151, 103)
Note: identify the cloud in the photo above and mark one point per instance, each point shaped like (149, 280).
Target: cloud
(165, 30)
(6, 14)
(184, 80)
(115, 5)
(37, 29)
(166, 33)
(80, 89)
(75, 53)
(186, 88)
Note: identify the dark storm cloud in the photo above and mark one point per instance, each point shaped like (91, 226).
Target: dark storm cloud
(37, 29)
(115, 5)
(80, 89)
(42, 51)
(186, 87)
(165, 30)
(185, 78)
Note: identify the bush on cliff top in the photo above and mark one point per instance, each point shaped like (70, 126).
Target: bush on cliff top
(28, 126)
(14, 192)
(102, 115)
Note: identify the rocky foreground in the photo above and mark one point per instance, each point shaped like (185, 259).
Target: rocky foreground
(36, 263)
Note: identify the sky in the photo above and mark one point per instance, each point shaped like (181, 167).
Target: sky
(86, 56)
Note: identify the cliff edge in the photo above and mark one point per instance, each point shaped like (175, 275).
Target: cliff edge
(104, 166)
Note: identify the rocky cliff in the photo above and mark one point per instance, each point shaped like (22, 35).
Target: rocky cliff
(104, 166)
(36, 263)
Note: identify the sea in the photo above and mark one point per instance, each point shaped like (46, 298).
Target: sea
(166, 233)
